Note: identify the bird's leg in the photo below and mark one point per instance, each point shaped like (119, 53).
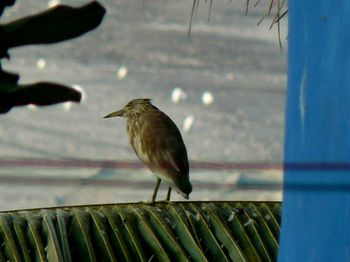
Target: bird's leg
(168, 195)
(154, 195)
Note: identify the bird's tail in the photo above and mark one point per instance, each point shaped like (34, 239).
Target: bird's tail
(183, 186)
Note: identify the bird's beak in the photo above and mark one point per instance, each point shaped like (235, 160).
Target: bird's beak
(116, 113)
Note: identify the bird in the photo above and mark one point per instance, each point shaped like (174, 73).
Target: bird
(158, 143)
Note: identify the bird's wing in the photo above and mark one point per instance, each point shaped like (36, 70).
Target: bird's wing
(161, 145)
(176, 157)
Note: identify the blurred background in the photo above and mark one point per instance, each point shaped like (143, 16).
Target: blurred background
(224, 87)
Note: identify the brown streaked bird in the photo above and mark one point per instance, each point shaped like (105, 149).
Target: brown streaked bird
(157, 142)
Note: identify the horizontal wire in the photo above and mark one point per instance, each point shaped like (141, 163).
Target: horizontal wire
(119, 183)
(239, 185)
(87, 163)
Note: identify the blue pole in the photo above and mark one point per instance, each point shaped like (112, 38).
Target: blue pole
(316, 204)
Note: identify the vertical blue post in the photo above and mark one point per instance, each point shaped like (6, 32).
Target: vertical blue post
(316, 204)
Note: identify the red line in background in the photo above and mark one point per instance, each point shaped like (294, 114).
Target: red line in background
(86, 163)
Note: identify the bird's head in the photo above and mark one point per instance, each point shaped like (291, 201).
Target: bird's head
(133, 108)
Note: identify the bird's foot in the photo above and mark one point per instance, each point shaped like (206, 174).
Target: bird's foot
(149, 202)
(153, 203)
(164, 201)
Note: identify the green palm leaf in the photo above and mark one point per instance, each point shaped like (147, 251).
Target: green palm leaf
(176, 231)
